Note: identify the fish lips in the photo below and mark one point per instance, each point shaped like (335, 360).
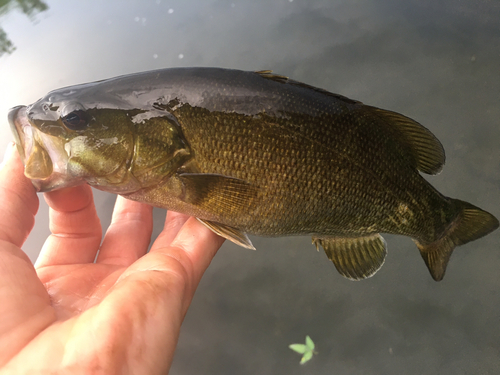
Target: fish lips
(44, 161)
(37, 163)
(18, 121)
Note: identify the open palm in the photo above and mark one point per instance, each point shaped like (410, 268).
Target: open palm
(92, 306)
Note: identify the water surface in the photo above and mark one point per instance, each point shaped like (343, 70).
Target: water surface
(436, 62)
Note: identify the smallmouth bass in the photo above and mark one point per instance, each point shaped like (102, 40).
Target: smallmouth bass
(252, 153)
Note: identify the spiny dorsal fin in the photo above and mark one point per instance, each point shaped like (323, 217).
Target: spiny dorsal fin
(426, 149)
(268, 74)
(355, 258)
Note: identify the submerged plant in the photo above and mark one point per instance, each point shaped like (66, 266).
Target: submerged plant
(307, 349)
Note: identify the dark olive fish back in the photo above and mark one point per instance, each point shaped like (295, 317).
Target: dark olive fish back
(258, 153)
(323, 164)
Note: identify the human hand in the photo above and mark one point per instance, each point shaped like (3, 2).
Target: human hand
(120, 314)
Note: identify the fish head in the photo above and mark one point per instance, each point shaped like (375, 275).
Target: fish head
(103, 134)
(64, 143)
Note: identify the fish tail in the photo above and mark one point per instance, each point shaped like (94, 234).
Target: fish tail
(468, 225)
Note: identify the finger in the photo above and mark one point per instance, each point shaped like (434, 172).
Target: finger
(173, 223)
(189, 254)
(128, 235)
(18, 200)
(161, 284)
(199, 243)
(24, 300)
(75, 226)
(186, 257)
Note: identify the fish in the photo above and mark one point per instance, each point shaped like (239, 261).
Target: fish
(253, 152)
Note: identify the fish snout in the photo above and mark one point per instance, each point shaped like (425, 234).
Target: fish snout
(21, 129)
(37, 162)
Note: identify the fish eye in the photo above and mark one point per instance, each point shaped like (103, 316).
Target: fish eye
(76, 120)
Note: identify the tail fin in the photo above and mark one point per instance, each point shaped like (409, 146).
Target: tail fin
(470, 224)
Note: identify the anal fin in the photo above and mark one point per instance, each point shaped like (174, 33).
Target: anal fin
(232, 234)
(355, 258)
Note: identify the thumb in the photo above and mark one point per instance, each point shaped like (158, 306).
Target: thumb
(22, 295)
(18, 199)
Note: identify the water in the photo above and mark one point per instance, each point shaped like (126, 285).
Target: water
(436, 62)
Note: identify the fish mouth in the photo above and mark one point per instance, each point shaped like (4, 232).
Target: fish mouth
(43, 156)
(17, 125)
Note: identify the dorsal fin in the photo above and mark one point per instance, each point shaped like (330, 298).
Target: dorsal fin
(268, 74)
(426, 149)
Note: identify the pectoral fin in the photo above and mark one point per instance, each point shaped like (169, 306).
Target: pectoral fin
(232, 234)
(355, 258)
(221, 194)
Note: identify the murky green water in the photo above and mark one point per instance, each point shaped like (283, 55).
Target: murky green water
(437, 62)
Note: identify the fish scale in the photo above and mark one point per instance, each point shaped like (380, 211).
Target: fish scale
(253, 153)
(294, 185)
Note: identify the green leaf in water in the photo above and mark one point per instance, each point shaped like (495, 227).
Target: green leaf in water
(309, 343)
(307, 350)
(306, 357)
(299, 348)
